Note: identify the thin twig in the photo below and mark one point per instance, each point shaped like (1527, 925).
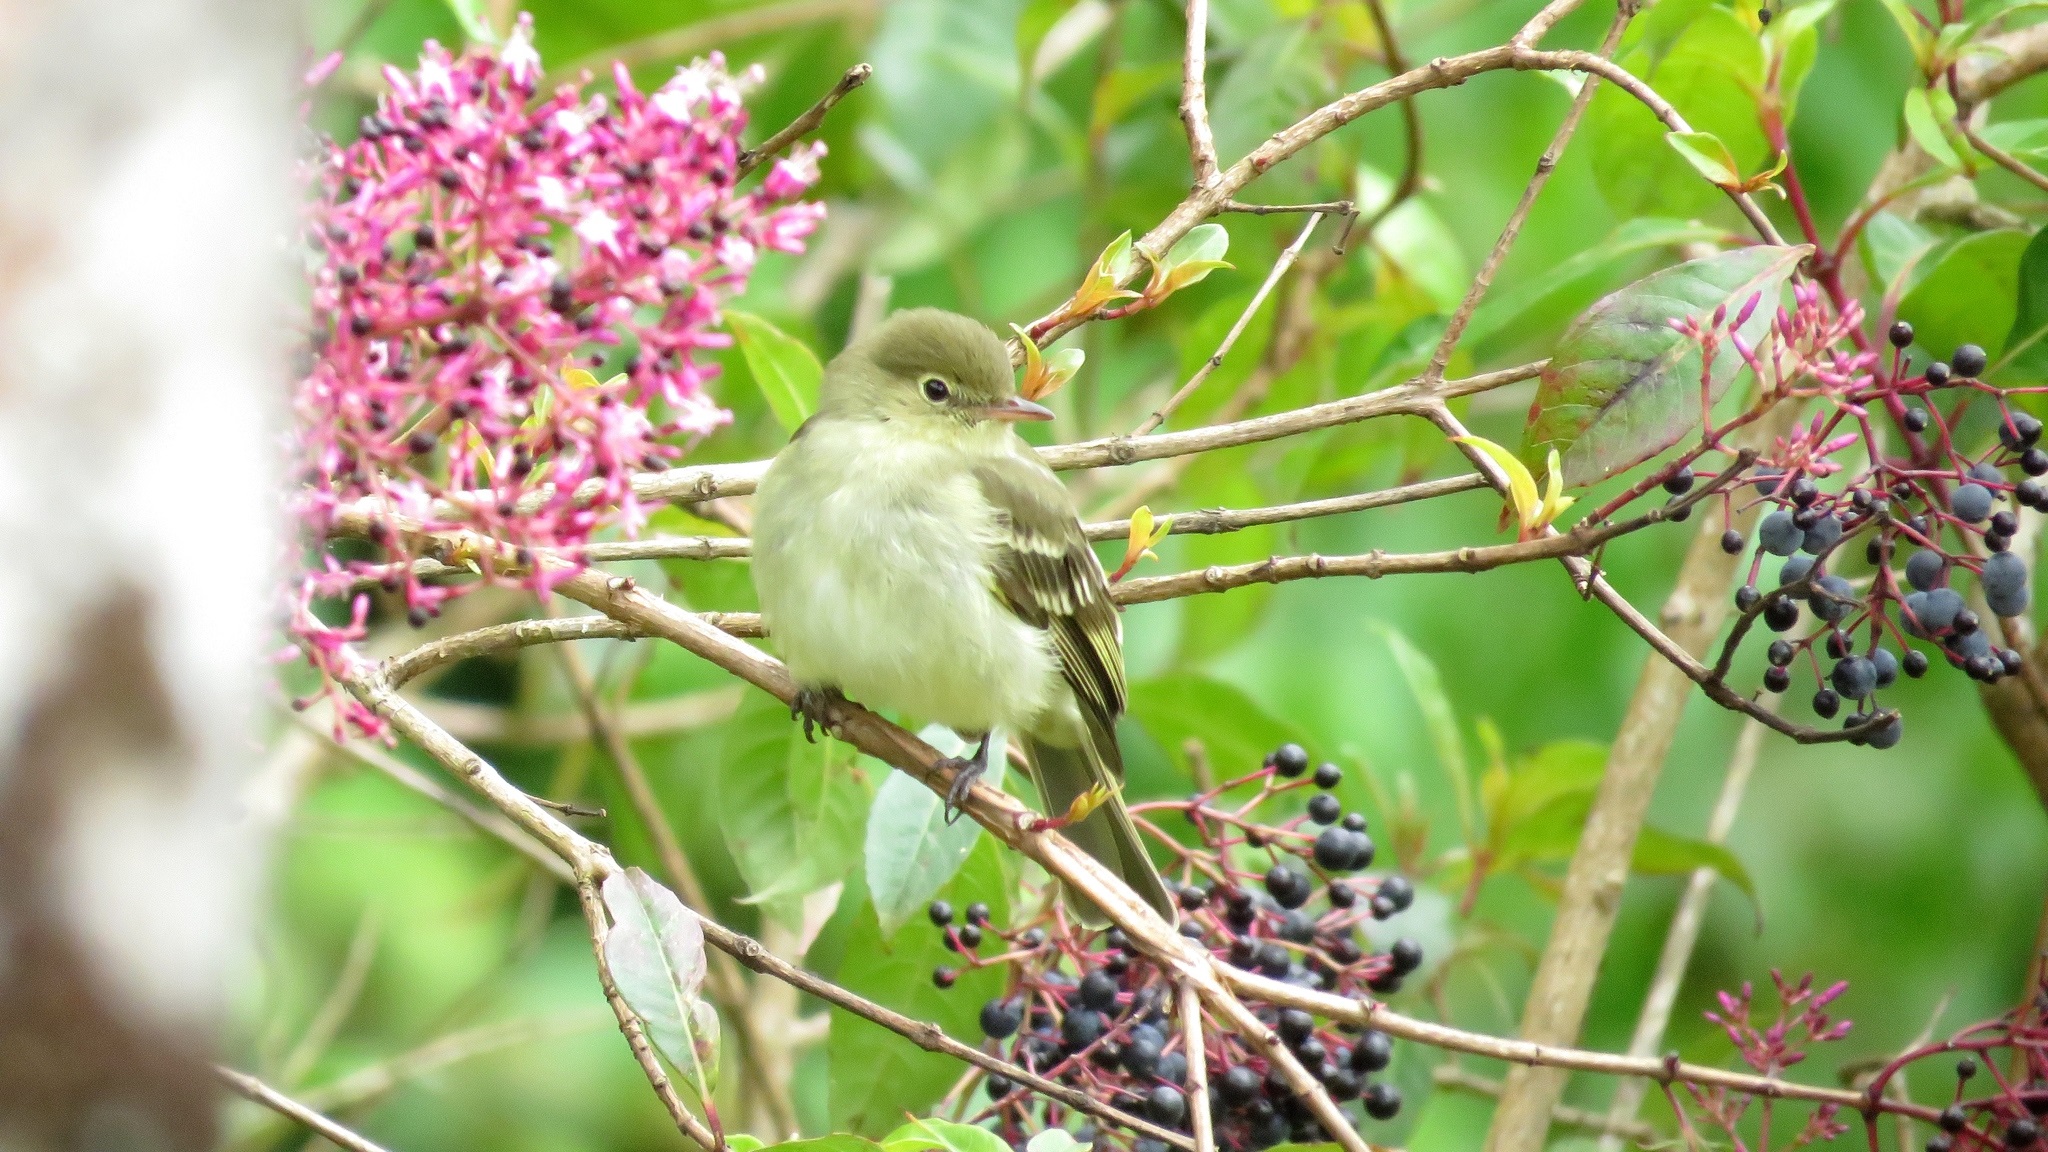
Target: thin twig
(1327, 207)
(1215, 361)
(1208, 522)
(374, 1080)
(250, 1088)
(1411, 126)
(1196, 1049)
(629, 1023)
(2001, 157)
(703, 35)
(1545, 165)
(1194, 100)
(1682, 936)
(340, 1001)
(807, 123)
(1452, 1076)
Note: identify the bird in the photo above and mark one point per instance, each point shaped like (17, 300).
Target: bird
(912, 553)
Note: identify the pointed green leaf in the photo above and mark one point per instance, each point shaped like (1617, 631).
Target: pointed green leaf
(876, 1077)
(1795, 35)
(1623, 385)
(2025, 354)
(1037, 19)
(912, 851)
(1660, 853)
(1237, 732)
(1966, 291)
(794, 812)
(922, 1135)
(1707, 155)
(1917, 35)
(1203, 242)
(475, 20)
(656, 953)
(1565, 768)
(1437, 716)
(784, 367)
(1926, 117)
(1504, 309)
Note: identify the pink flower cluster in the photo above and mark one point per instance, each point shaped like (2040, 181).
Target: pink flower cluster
(475, 252)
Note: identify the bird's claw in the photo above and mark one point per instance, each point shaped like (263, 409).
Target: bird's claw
(814, 707)
(966, 772)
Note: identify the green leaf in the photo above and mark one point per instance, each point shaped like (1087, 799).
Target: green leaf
(1967, 293)
(794, 811)
(475, 20)
(2024, 353)
(1503, 309)
(656, 953)
(1917, 35)
(784, 367)
(1794, 34)
(741, 1142)
(876, 1077)
(1712, 75)
(1891, 246)
(835, 1143)
(1037, 19)
(1053, 1140)
(1124, 88)
(1427, 685)
(1707, 155)
(1623, 385)
(1565, 768)
(911, 850)
(1927, 121)
(1660, 853)
(2022, 138)
(1236, 732)
(1417, 242)
(922, 1135)
(1198, 253)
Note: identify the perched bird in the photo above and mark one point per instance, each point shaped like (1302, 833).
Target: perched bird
(912, 553)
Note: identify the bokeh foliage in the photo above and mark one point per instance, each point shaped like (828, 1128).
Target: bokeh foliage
(978, 182)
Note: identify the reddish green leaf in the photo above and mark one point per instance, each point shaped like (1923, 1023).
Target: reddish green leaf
(1623, 384)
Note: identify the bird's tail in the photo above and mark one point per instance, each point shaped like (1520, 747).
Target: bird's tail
(1063, 774)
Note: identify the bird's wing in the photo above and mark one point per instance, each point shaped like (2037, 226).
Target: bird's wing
(1047, 575)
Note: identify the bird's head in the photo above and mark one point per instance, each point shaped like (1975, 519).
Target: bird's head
(933, 371)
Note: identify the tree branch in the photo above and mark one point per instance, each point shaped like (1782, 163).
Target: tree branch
(1196, 1050)
(805, 124)
(1215, 360)
(252, 1089)
(1194, 100)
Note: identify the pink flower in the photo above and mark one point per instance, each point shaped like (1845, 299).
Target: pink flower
(507, 301)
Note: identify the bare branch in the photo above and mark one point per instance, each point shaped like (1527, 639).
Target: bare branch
(1452, 1076)
(805, 124)
(250, 1088)
(404, 668)
(1196, 1050)
(2001, 157)
(1327, 207)
(1215, 361)
(410, 777)
(704, 35)
(1545, 165)
(1194, 100)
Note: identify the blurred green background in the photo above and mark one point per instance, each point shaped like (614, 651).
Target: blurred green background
(973, 178)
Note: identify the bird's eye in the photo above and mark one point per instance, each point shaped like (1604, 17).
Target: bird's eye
(935, 390)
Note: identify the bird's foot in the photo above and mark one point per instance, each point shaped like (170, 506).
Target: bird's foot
(1083, 806)
(814, 707)
(966, 771)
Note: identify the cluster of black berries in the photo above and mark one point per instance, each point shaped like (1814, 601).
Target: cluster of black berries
(2011, 1121)
(1282, 899)
(1932, 516)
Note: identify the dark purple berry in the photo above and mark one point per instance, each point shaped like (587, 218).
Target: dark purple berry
(1328, 775)
(940, 912)
(1969, 361)
(1289, 760)
(1900, 334)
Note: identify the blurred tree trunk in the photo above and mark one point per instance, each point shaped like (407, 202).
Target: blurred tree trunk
(141, 221)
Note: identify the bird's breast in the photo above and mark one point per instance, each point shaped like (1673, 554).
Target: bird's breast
(872, 561)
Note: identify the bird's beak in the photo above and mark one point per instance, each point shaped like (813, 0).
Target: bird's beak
(1014, 409)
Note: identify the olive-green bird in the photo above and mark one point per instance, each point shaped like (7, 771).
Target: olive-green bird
(912, 553)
